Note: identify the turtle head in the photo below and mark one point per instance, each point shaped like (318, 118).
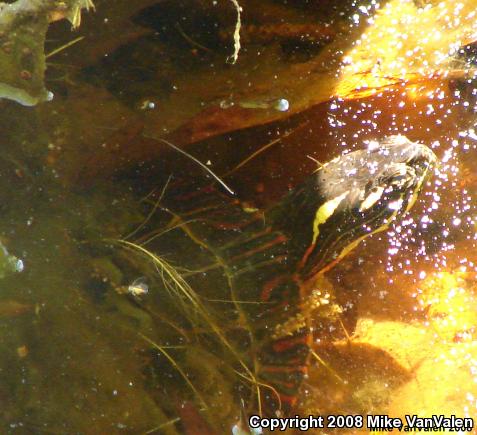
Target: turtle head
(354, 196)
(378, 184)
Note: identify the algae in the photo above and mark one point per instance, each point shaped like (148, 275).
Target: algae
(23, 27)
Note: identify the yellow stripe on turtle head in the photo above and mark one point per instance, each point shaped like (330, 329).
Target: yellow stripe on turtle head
(347, 249)
(372, 199)
(324, 213)
(417, 189)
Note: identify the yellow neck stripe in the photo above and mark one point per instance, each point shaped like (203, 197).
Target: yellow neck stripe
(324, 212)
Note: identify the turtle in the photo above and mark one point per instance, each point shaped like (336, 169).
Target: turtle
(271, 260)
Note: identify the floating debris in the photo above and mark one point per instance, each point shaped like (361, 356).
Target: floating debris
(22, 351)
(147, 105)
(242, 427)
(139, 287)
(233, 58)
(9, 263)
(281, 104)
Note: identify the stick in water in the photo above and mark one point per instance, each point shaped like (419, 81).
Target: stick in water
(199, 163)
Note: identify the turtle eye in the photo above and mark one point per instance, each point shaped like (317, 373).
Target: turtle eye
(404, 179)
(399, 181)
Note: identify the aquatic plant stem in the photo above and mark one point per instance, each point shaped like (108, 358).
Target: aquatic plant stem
(64, 47)
(177, 367)
(179, 150)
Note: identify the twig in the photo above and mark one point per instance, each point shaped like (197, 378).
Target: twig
(177, 367)
(233, 58)
(327, 366)
(190, 40)
(196, 161)
(262, 149)
(151, 213)
(63, 47)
